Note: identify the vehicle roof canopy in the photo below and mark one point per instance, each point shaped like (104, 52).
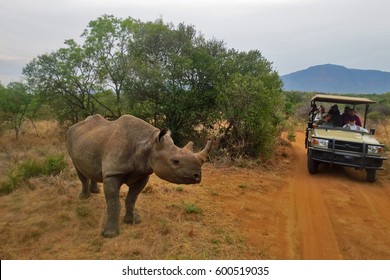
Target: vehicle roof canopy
(341, 99)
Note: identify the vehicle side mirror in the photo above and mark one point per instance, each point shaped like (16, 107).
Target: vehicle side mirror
(372, 131)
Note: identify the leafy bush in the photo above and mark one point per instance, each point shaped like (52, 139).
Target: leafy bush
(49, 166)
(291, 136)
(53, 165)
(254, 117)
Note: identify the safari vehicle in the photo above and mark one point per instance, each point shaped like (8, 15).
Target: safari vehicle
(336, 145)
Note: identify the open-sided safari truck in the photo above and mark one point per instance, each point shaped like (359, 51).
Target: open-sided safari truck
(335, 145)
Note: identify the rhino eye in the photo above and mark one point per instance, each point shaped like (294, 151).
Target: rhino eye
(175, 161)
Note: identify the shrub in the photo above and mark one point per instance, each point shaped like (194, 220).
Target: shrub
(291, 135)
(54, 164)
(29, 169)
(6, 187)
(191, 208)
(254, 117)
(50, 166)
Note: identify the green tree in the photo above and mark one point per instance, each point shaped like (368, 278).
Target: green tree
(67, 79)
(109, 40)
(176, 74)
(14, 104)
(252, 105)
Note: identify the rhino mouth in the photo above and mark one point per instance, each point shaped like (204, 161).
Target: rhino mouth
(194, 179)
(183, 178)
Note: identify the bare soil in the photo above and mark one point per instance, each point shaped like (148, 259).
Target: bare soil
(335, 214)
(275, 211)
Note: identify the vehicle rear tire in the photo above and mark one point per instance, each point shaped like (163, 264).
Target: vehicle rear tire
(371, 175)
(312, 165)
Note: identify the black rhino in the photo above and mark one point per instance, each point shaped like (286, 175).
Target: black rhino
(127, 151)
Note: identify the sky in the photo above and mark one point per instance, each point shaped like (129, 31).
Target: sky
(292, 34)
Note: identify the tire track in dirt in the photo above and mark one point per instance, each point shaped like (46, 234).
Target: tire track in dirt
(336, 214)
(310, 227)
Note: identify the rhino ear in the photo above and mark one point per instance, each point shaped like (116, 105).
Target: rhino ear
(162, 133)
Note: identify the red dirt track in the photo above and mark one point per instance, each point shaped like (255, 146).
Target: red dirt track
(334, 214)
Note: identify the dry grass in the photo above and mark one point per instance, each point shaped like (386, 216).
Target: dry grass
(383, 132)
(50, 222)
(44, 218)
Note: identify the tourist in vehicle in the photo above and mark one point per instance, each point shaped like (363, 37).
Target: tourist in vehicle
(345, 114)
(321, 111)
(336, 117)
(313, 112)
(352, 124)
(326, 121)
(358, 120)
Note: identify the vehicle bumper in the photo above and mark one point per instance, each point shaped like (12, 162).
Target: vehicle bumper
(347, 159)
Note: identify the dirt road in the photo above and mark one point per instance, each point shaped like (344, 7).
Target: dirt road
(335, 214)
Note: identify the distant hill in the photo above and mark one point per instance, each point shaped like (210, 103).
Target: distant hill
(331, 78)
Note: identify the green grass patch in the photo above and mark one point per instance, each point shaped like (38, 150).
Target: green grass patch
(191, 208)
(50, 166)
(54, 164)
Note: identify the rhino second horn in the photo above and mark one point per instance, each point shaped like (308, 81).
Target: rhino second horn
(189, 146)
(202, 155)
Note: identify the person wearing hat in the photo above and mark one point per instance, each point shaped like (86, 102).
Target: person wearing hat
(351, 124)
(325, 121)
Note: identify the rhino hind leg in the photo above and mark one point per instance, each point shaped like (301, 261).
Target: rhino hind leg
(132, 216)
(93, 187)
(85, 189)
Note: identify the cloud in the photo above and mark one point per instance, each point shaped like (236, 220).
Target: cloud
(293, 34)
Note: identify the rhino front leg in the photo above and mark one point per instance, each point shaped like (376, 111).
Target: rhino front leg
(111, 186)
(131, 216)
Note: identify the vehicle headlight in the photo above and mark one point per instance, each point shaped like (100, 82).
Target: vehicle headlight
(323, 143)
(374, 149)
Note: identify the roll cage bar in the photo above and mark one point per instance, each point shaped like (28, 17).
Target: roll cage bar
(343, 100)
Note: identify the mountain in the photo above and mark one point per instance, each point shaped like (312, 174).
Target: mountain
(331, 78)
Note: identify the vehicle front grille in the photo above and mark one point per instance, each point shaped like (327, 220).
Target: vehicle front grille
(346, 146)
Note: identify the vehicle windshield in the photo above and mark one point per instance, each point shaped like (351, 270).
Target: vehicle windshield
(362, 130)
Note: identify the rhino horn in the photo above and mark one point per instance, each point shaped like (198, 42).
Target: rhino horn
(202, 155)
(189, 146)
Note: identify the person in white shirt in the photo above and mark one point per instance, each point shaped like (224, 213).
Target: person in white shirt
(325, 121)
(321, 111)
(351, 124)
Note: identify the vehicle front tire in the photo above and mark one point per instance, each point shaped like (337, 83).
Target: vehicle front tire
(312, 165)
(371, 175)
